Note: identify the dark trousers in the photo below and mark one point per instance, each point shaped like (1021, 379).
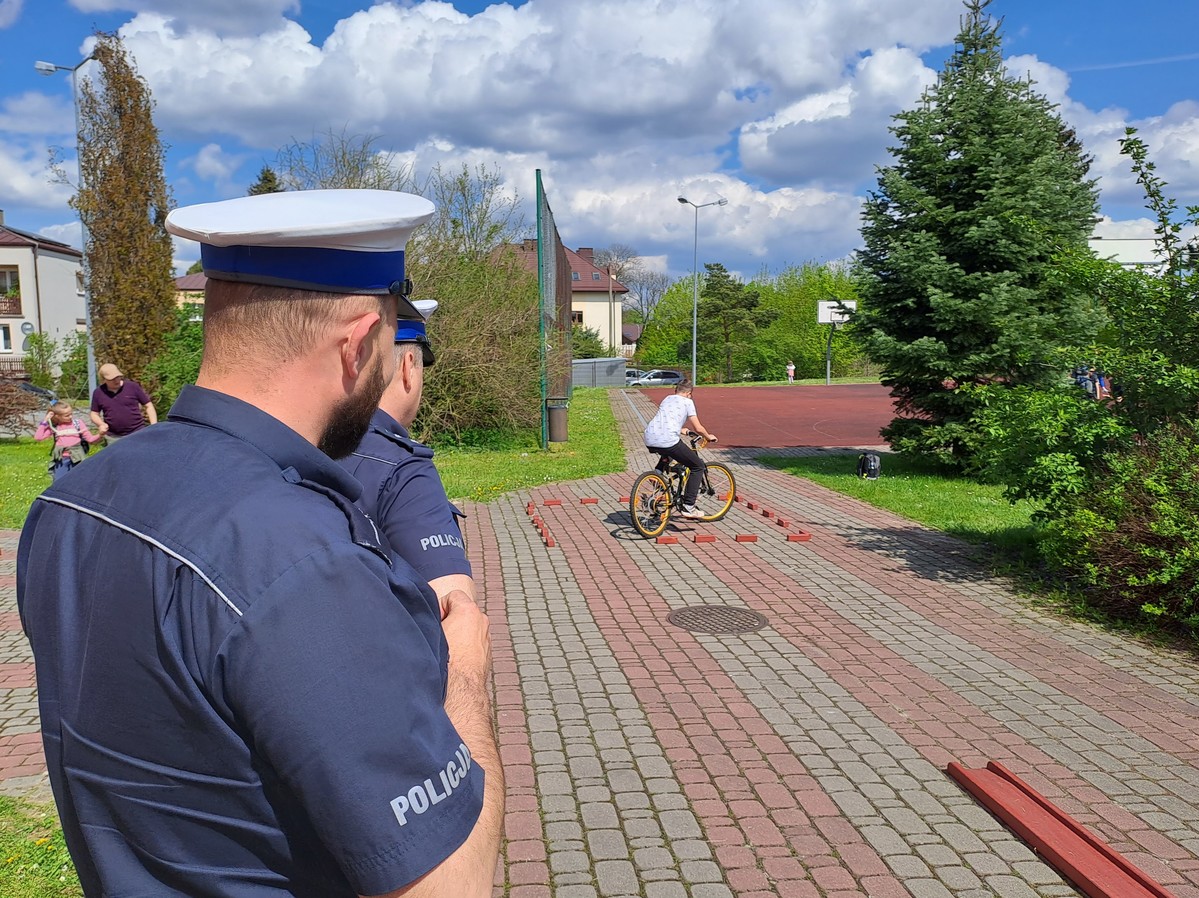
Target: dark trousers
(684, 454)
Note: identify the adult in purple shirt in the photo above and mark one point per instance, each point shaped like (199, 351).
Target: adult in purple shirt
(118, 405)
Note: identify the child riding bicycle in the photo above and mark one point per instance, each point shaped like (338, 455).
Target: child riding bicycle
(676, 416)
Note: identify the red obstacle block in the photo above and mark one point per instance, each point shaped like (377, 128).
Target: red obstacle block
(667, 540)
(624, 500)
(529, 508)
(549, 541)
(802, 537)
(752, 506)
(550, 502)
(746, 538)
(705, 537)
(1097, 869)
(783, 522)
(589, 501)
(767, 513)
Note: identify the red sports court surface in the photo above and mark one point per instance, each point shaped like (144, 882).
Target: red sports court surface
(791, 415)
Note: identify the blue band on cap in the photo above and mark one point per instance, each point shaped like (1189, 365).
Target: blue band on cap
(411, 332)
(330, 270)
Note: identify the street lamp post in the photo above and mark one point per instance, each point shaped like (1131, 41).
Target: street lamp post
(49, 68)
(695, 275)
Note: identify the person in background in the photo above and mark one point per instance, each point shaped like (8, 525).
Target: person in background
(71, 437)
(676, 416)
(240, 692)
(401, 489)
(120, 406)
(790, 372)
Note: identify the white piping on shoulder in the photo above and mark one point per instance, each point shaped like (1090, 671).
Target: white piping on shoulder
(155, 543)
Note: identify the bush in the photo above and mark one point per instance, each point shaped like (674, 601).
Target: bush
(73, 379)
(1133, 534)
(178, 363)
(17, 410)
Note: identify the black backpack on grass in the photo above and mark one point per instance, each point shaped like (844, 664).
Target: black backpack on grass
(869, 466)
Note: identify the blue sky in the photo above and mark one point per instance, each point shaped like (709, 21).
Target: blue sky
(781, 106)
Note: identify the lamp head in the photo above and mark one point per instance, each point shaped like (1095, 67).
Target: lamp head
(722, 202)
(684, 199)
(45, 68)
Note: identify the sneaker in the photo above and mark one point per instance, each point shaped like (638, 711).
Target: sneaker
(691, 511)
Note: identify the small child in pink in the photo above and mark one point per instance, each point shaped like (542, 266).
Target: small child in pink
(69, 434)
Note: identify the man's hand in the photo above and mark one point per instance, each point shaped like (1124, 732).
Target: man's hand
(103, 428)
(468, 633)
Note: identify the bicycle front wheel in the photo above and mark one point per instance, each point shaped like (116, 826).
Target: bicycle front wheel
(718, 492)
(649, 504)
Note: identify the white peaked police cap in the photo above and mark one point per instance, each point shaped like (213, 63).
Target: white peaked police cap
(330, 241)
(414, 331)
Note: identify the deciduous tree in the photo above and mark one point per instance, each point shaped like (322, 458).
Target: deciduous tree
(123, 199)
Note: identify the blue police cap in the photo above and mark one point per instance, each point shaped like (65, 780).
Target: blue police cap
(413, 330)
(331, 241)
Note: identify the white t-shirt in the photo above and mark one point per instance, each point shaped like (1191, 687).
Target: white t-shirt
(662, 432)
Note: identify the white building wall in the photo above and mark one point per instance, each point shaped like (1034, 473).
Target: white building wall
(597, 314)
(51, 298)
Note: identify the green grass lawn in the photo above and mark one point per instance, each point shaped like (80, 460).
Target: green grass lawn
(23, 475)
(594, 448)
(33, 856)
(923, 491)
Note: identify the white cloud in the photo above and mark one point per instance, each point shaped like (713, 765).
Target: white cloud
(220, 16)
(25, 174)
(837, 136)
(213, 164)
(10, 11)
(37, 114)
(70, 233)
(783, 108)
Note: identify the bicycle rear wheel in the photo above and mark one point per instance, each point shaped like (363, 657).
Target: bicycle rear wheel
(718, 492)
(649, 504)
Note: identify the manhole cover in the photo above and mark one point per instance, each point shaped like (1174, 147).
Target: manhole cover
(717, 619)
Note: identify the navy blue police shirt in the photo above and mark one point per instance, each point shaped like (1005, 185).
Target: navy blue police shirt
(403, 494)
(239, 693)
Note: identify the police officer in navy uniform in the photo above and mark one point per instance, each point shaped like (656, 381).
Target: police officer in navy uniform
(240, 692)
(401, 489)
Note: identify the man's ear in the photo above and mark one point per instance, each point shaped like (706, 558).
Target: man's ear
(360, 341)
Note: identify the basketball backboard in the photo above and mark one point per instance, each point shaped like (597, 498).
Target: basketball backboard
(836, 311)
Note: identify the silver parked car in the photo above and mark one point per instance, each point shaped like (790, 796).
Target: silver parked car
(659, 377)
(633, 374)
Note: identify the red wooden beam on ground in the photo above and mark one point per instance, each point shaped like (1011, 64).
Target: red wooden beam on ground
(1096, 868)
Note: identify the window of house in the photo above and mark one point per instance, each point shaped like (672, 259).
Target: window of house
(10, 279)
(576, 317)
(595, 276)
(574, 275)
(79, 282)
(5, 338)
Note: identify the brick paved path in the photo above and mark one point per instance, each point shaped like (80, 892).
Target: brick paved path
(805, 758)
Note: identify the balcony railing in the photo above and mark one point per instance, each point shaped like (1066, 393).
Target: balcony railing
(10, 305)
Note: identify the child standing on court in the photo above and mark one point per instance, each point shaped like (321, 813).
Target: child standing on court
(69, 435)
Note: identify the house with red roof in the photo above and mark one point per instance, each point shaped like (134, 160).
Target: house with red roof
(596, 298)
(41, 290)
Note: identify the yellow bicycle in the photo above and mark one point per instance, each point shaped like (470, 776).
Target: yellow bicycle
(656, 493)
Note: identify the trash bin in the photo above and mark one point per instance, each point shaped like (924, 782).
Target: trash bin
(557, 406)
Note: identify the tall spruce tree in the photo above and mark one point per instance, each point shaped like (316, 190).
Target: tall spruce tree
(268, 182)
(987, 184)
(123, 199)
(730, 314)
